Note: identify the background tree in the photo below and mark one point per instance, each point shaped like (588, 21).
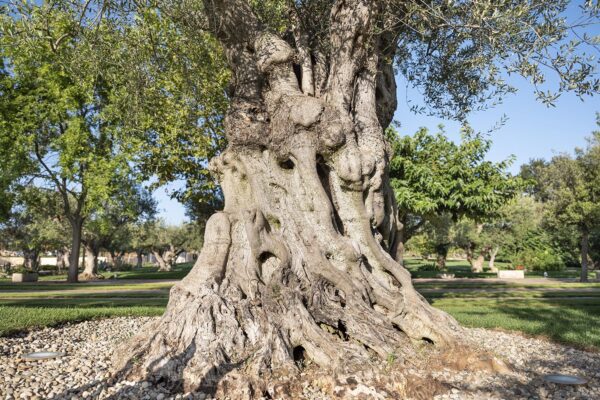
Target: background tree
(140, 240)
(167, 242)
(570, 189)
(65, 96)
(32, 225)
(109, 227)
(435, 180)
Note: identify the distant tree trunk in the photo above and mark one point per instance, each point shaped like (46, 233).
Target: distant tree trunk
(585, 246)
(115, 259)
(493, 254)
(110, 258)
(299, 250)
(441, 256)
(398, 248)
(477, 263)
(90, 272)
(140, 259)
(62, 259)
(31, 258)
(76, 227)
(163, 266)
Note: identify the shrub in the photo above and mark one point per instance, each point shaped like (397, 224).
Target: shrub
(20, 269)
(539, 260)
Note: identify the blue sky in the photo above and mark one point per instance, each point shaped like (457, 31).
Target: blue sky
(532, 130)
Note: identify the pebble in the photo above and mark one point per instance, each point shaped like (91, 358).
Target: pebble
(84, 371)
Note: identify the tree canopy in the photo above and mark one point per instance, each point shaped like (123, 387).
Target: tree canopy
(435, 179)
(570, 188)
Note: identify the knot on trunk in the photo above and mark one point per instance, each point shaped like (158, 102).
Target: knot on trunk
(271, 51)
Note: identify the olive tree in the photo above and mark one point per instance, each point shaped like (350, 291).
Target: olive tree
(301, 247)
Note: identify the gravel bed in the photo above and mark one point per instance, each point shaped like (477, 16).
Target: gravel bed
(88, 346)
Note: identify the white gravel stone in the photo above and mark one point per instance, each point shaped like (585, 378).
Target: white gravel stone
(84, 371)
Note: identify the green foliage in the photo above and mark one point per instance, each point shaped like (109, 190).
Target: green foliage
(438, 182)
(176, 100)
(459, 53)
(65, 93)
(111, 226)
(569, 188)
(431, 175)
(539, 258)
(32, 225)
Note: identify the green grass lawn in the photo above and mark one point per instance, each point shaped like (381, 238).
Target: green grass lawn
(27, 315)
(557, 315)
(147, 272)
(570, 321)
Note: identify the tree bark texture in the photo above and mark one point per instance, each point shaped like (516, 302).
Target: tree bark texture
(31, 259)
(297, 264)
(477, 263)
(441, 251)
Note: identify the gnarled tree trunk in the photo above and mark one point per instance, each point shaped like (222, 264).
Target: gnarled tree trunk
(300, 250)
(31, 259)
(62, 259)
(477, 263)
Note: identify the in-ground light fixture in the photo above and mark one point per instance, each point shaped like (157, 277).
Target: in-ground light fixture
(565, 379)
(42, 355)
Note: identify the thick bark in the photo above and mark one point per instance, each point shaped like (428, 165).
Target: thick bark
(585, 246)
(440, 261)
(296, 266)
(476, 257)
(493, 253)
(76, 227)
